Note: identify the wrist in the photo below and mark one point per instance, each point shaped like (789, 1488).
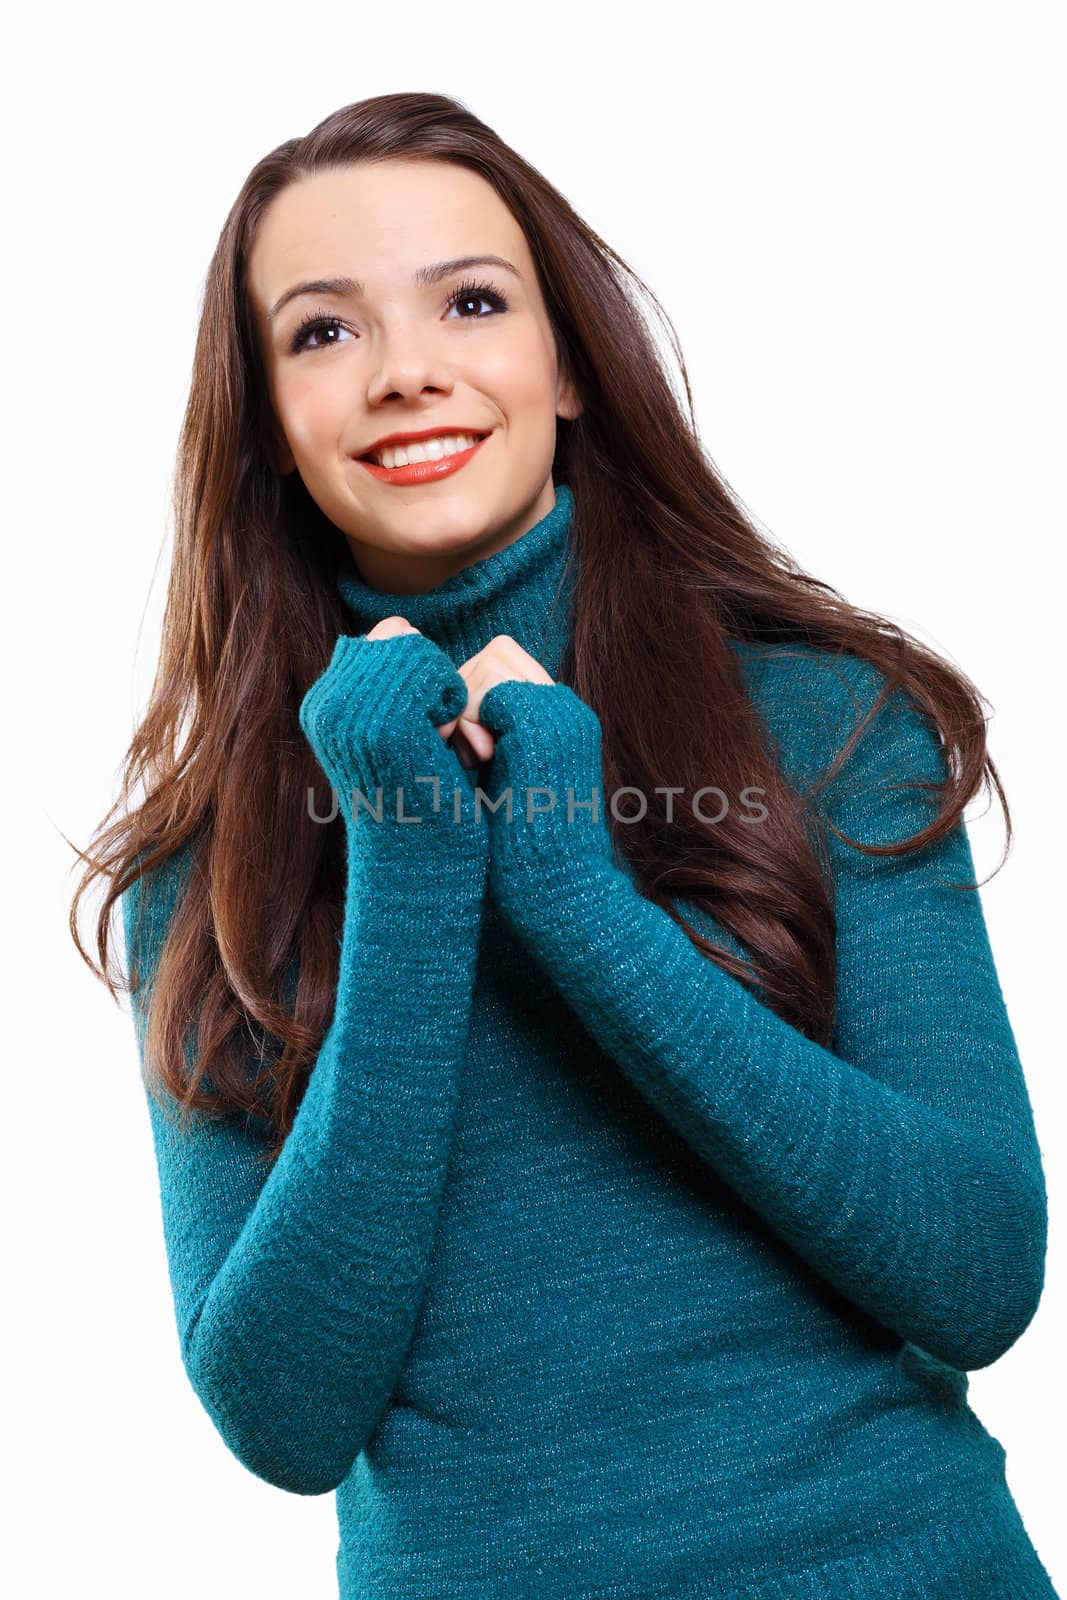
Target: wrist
(426, 812)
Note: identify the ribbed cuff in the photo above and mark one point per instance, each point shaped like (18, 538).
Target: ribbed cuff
(548, 759)
(371, 719)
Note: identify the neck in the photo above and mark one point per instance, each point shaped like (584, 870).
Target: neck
(522, 590)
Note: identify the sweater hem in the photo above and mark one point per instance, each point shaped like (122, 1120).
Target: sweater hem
(979, 1550)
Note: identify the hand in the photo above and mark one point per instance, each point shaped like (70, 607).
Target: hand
(502, 661)
(464, 734)
(544, 794)
(371, 716)
(550, 737)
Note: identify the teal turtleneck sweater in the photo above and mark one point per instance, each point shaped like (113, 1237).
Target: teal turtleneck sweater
(582, 1275)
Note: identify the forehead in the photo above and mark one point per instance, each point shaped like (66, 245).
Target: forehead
(377, 222)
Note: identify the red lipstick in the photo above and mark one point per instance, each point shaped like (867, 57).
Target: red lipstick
(423, 471)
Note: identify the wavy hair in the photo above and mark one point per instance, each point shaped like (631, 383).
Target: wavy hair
(252, 613)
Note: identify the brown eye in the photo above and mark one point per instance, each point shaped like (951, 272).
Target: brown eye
(312, 325)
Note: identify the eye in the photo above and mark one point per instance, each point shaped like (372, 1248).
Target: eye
(469, 292)
(311, 325)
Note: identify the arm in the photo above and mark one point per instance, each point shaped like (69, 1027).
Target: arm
(296, 1290)
(902, 1165)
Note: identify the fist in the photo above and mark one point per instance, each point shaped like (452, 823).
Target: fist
(502, 660)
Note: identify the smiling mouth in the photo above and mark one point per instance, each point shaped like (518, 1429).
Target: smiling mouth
(374, 456)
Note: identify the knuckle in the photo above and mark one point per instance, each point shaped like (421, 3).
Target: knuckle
(390, 626)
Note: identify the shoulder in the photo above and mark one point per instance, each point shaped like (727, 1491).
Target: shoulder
(803, 674)
(811, 701)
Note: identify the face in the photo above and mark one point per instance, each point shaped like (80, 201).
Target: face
(472, 352)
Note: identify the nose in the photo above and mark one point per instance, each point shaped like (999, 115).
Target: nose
(408, 365)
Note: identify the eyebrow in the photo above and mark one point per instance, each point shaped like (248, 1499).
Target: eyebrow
(422, 277)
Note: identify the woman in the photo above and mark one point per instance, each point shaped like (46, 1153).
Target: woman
(601, 1151)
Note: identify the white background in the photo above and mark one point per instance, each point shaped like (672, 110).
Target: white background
(852, 214)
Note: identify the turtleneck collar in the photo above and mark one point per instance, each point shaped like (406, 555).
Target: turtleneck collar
(511, 591)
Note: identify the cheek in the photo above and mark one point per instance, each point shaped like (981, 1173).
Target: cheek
(520, 373)
(312, 409)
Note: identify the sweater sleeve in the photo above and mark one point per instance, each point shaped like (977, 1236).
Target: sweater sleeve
(296, 1287)
(901, 1164)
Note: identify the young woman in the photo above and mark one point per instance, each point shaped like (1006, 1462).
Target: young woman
(590, 1134)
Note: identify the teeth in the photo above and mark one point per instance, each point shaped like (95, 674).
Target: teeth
(426, 450)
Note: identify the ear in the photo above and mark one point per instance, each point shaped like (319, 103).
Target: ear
(568, 405)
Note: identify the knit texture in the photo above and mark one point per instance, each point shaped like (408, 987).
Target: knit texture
(582, 1275)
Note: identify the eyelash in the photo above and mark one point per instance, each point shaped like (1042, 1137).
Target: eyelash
(466, 291)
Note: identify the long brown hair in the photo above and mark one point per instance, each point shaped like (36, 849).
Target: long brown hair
(672, 568)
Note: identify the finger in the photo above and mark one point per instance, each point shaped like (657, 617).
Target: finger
(478, 737)
(502, 659)
(390, 627)
(467, 757)
(472, 742)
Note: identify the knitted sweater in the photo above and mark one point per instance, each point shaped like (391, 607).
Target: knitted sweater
(582, 1275)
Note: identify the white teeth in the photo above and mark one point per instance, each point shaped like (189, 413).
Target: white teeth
(426, 450)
